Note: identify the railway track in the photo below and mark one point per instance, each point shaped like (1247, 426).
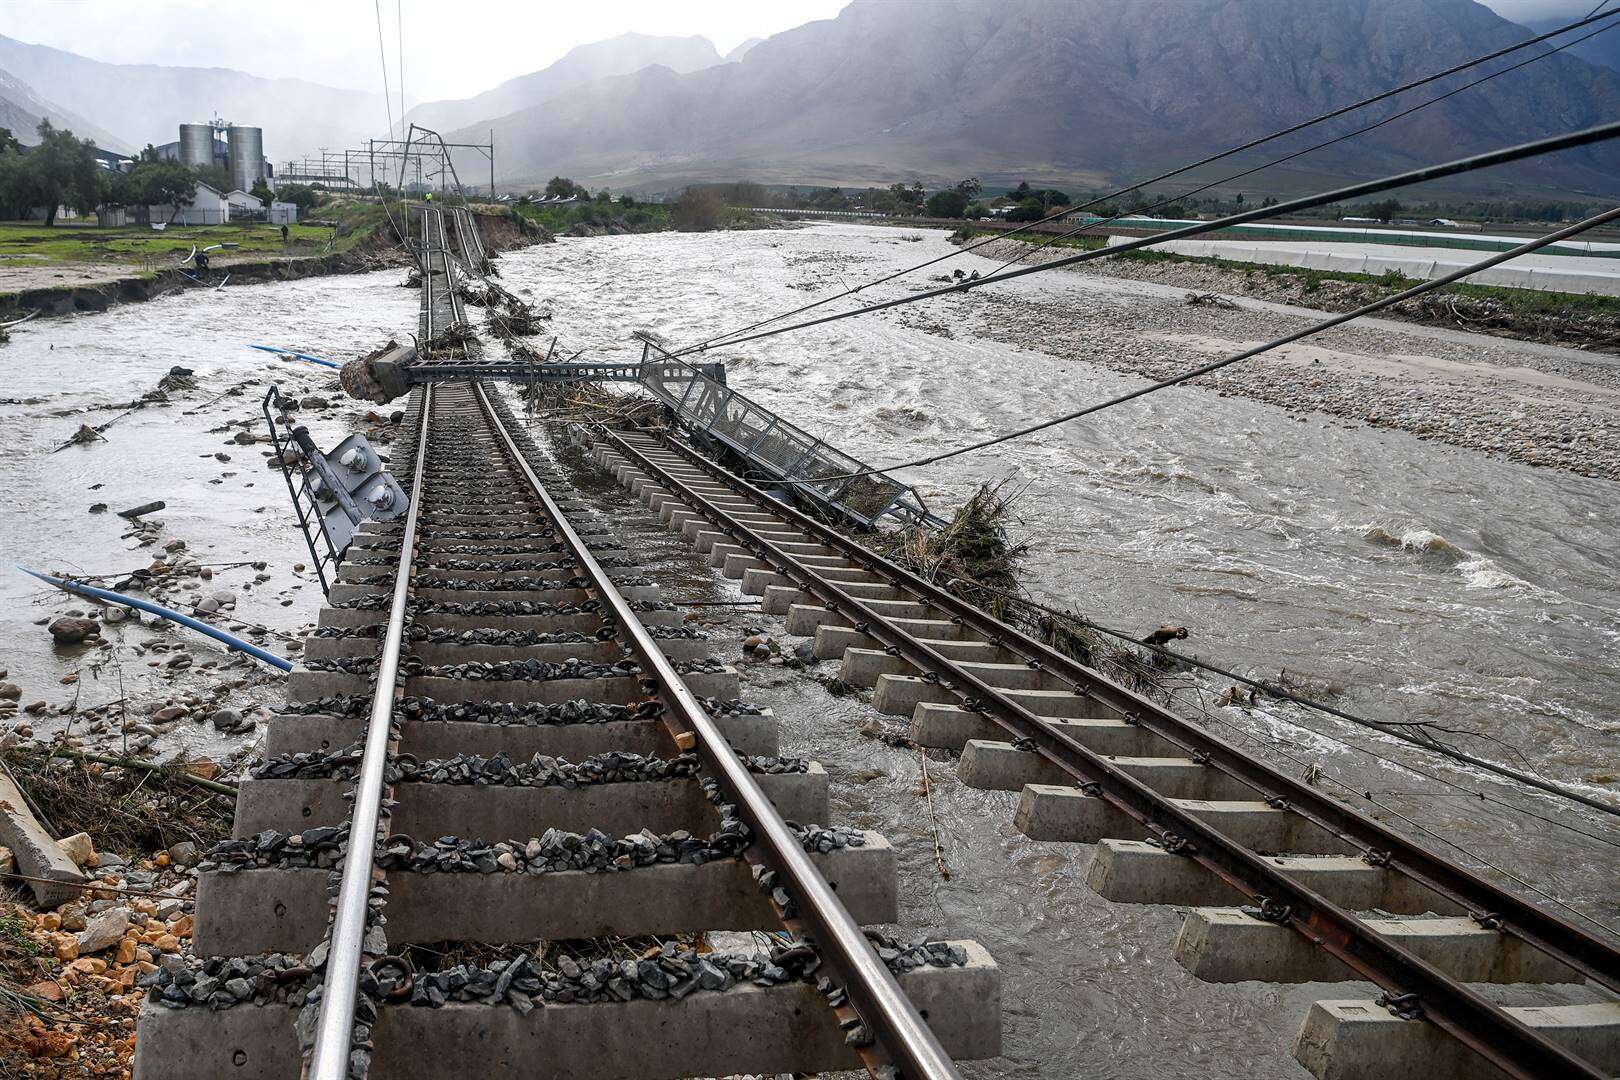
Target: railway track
(441, 307)
(1281, 883)
(573, 796)
(509, 799)
(512, 802)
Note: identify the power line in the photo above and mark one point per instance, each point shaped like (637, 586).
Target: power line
(1216, 365)
(1169, 200)
(382, 55)
(1592, 17)
(1277, 746)
(1383, 727)
(399, 54)
(1371, 187)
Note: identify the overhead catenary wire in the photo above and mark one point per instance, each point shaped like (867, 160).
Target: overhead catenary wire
(1171, 200)
(1216, 365)
(1278, 747)
(1590, 18)
(1457, 167)
(403, 232)
(382, 55)
(1394, 731)
(399, 53)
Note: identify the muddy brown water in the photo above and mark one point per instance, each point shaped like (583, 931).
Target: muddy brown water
(1423, 581)
(60, 373)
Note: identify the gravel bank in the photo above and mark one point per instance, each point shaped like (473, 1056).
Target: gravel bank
(1534, 405)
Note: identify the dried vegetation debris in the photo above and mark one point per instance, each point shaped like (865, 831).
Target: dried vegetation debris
(70, 978)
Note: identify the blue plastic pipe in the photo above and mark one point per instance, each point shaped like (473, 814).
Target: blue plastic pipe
(231, 641)
(301, 356)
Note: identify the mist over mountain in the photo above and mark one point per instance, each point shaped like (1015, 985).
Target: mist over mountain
(147, 103)
(741, 51)
(21, 110)
(1076, 92)
(584, 63)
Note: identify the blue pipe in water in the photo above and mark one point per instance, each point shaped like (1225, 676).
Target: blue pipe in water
(301, 356)
(231, 641)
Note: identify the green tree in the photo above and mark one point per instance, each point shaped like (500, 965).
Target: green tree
(16, 187)
(560, 187)
(970, 188)
(262, 192)
(214, 176)
(300, 195)
(1030, 209)
(62, 171)
(1385, 209)
(698, 210)
(947, 204)
(8, 141)
(158, 183)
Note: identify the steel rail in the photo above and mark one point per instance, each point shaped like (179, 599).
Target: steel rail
(334, 1030)
(1595, 958)
(427, 280)
(457, 316)
(1478, 1023)
(1394, 731)
(884, 1008)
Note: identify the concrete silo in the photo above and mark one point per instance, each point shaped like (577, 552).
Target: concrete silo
(196, 145)
(246, 148)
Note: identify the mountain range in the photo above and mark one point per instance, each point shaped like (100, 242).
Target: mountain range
(1071, 93)
(147, 103)
(21, 110)
(583, 64)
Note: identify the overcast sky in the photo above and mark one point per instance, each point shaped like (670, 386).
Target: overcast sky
(335, 41)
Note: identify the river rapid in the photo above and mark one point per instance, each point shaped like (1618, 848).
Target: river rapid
(1407, 579)
(1402, 579)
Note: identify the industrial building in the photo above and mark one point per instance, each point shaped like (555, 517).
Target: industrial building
(240, 152)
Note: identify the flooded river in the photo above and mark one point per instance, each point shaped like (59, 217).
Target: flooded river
(1411, 579)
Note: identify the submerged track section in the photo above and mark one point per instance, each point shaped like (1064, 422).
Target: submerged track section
(1282, 883)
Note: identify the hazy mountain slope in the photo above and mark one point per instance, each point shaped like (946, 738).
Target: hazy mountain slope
(1082, 91)
(584, 63)
(742, 50)
(146, 103)
(21, 110)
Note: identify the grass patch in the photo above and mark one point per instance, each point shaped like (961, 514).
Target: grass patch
(333, 229)
(342, 224)
(25, 243)
(14, 935)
